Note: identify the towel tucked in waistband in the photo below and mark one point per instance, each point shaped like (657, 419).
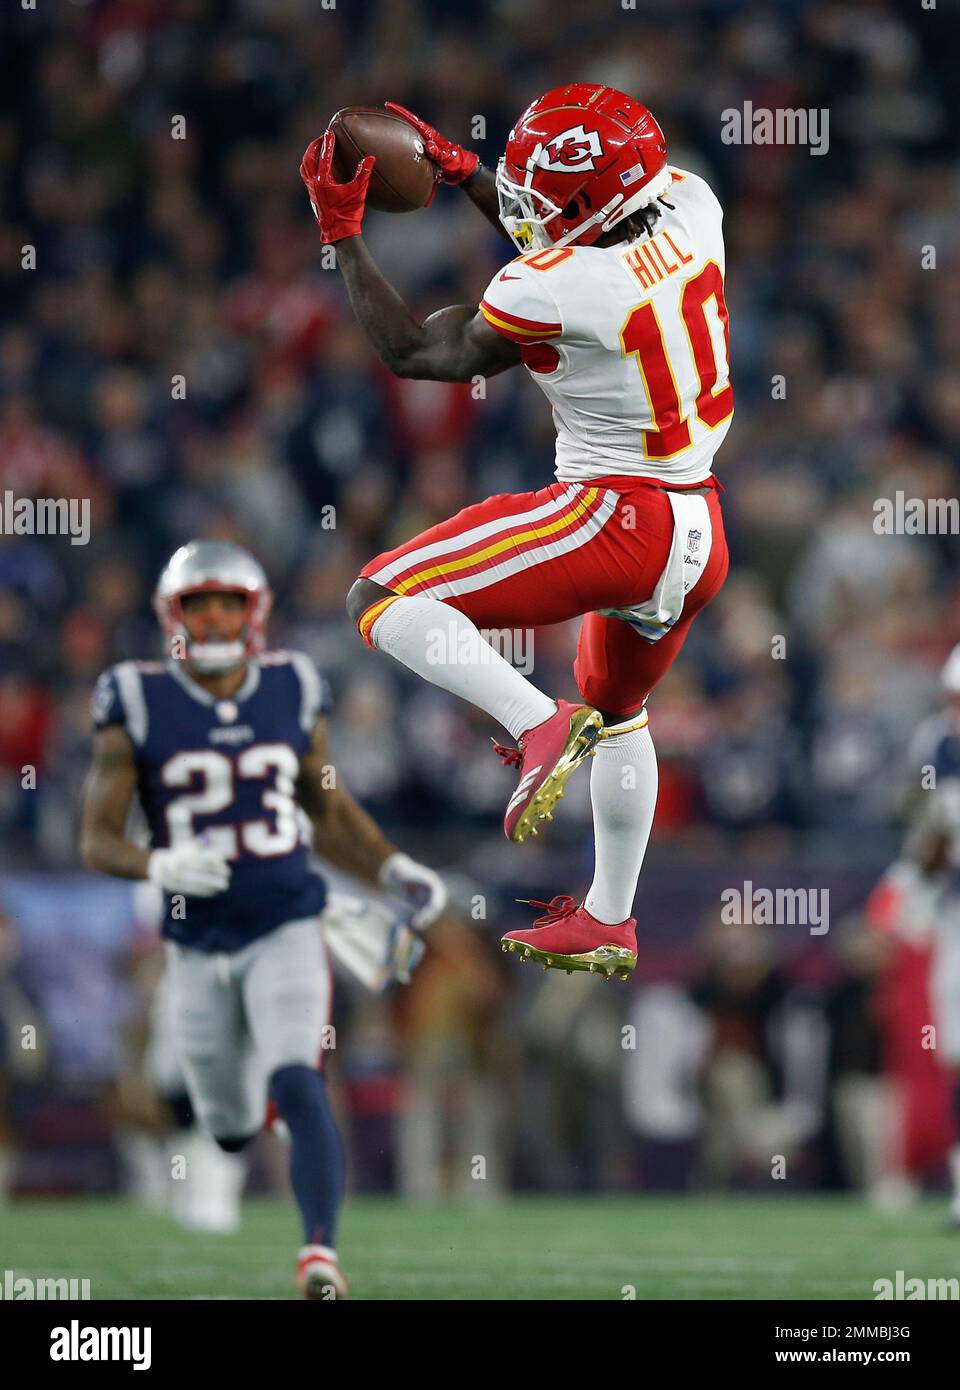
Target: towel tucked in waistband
(689, 553)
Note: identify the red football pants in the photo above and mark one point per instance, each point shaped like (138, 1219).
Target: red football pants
(528, 559)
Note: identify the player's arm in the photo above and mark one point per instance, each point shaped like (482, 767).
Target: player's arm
(455, 344)
(456, 165)
(351, 840)
(107, 796)
(481, 189)
(191, 869)
(342, 830)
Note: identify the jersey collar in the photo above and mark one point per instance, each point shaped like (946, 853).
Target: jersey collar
(205, 697)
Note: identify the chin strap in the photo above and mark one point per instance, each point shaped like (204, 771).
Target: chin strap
(622, 205)
(599, 216)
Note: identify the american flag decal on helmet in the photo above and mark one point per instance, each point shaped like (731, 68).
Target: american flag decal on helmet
(632, 175)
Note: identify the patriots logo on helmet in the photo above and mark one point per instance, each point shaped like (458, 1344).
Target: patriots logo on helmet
(573, 151)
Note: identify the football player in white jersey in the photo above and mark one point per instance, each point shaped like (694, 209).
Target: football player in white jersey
(615, 305)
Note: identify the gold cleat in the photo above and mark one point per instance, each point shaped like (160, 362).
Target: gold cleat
(605, 960)
(586, 728)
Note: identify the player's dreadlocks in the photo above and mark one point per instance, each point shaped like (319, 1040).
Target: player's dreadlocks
(640, 223)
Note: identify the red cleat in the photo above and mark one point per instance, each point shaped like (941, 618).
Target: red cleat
(319, 1277)
(568, 938)
(548, 754)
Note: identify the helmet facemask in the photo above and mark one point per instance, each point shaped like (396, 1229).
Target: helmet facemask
(524, 211)
(220, 655)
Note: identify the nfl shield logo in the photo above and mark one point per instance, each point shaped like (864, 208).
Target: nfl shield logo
(693, 540)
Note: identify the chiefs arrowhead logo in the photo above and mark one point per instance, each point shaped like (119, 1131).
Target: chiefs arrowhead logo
(573, 151)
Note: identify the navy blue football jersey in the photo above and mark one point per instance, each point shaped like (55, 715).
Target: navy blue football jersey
(946, 757)
(936, 744)
(225, 771)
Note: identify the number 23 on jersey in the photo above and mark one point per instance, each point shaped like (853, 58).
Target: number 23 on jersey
(217, 776)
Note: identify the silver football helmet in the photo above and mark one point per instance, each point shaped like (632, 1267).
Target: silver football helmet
(215, 566)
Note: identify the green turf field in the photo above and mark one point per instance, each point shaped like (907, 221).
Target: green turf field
(527, 1248)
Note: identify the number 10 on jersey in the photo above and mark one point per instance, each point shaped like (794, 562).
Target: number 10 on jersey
(642, 337)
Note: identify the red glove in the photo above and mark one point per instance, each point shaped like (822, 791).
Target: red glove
(338, 207)
(454, 162)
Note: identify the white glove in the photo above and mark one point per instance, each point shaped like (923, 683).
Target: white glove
(191, 869)
(366, 937)
(420, 886)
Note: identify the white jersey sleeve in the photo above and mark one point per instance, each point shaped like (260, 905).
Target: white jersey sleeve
(518, 304)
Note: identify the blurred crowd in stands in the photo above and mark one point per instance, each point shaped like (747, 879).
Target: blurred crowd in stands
(730, 1063)
(160, 258)
(176, 352)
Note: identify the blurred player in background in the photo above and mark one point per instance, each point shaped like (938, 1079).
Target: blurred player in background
(935, 846)
(366, 937)
(225, 746)
(616, 308)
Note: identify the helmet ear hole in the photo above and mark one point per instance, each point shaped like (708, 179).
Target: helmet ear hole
(578, 207)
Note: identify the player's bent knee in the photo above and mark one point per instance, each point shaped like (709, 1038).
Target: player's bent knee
(363, 594)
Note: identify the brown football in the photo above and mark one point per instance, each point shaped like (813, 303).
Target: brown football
(402, 177)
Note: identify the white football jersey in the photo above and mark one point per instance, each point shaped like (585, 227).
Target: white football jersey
(629, 343)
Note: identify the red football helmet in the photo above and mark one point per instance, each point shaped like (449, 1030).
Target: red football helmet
(579, 160)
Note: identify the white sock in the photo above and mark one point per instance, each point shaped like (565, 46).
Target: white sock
(623, 792)
(447, 649)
